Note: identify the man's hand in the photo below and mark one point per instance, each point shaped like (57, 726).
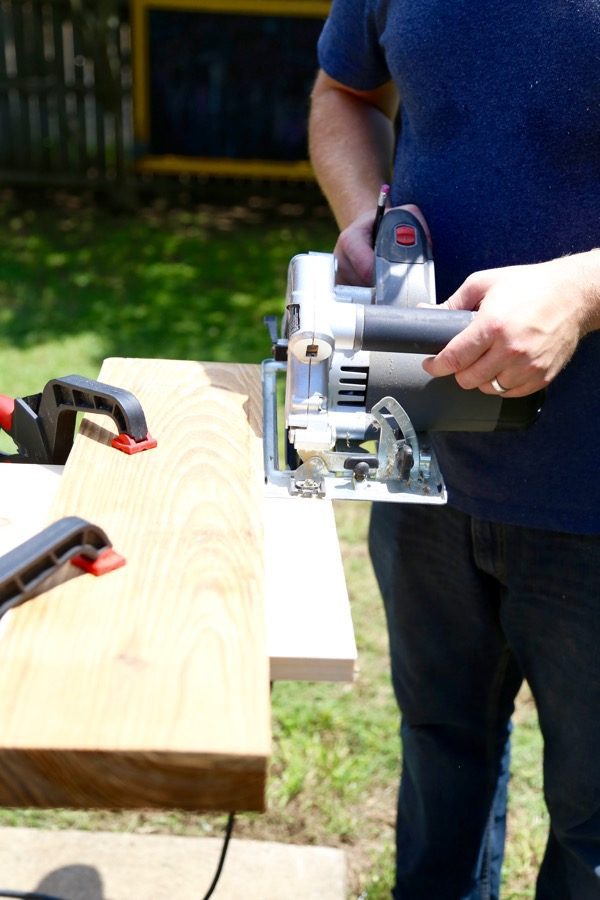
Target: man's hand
(528, 324)
(354, 250)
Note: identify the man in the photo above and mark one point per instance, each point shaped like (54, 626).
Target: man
(487, 119)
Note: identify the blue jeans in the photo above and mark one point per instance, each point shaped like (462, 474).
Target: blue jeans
(473, 607)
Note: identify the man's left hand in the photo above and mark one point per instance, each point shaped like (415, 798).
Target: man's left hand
(528, 324)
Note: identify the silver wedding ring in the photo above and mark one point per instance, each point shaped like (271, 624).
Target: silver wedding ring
(497, 386)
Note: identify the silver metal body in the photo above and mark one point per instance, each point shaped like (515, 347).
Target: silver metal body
(345, 446)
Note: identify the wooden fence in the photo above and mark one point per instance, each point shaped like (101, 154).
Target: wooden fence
(70, 71)
(65, 92)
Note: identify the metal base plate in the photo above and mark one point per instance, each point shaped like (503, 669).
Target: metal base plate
(333, 486)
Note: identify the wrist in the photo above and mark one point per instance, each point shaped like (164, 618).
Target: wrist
(354, 205)
(575, 282)
(584, 269)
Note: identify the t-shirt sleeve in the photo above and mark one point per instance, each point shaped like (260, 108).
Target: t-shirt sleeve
(349, 50)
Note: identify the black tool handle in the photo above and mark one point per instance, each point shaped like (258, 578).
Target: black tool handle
(63, 398)
(394, 329)
(23, 569)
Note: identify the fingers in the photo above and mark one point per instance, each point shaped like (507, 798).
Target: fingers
(485, 351)
(354, 252)
(507, 349)
(354, 268)
(523, 390)
(465, 356)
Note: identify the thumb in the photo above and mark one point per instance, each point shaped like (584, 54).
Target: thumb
(471, 292)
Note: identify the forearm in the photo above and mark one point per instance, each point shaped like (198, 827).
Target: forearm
(351, 138)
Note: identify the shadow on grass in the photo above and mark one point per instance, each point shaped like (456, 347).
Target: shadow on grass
(190, 282)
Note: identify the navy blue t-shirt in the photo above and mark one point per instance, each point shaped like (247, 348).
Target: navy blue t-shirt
(499, 144)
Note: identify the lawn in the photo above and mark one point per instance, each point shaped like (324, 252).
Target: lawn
(193, 280)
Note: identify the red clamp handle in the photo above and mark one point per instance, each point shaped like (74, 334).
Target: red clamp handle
(7, 408)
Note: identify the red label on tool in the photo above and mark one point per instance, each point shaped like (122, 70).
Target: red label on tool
(406, 235)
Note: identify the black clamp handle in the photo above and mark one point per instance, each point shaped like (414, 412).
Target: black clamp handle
(75, 540)
(43, 425)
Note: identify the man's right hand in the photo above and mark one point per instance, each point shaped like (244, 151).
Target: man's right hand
(354, 252)
(354, 249)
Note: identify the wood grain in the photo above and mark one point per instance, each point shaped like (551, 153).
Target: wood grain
(149, 686)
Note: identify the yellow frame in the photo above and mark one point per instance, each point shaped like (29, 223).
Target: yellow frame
(171, 163)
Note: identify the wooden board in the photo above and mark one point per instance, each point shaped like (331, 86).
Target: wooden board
(149, 686)
(310, 636)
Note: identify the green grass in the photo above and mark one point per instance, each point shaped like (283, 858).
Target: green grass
(78, 284)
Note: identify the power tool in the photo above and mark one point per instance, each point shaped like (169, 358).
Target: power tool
(359, 408)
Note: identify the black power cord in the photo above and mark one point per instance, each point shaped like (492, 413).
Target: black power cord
(32, 895)
(228, 830)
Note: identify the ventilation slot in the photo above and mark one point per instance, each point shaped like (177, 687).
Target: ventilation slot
(352, 389)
